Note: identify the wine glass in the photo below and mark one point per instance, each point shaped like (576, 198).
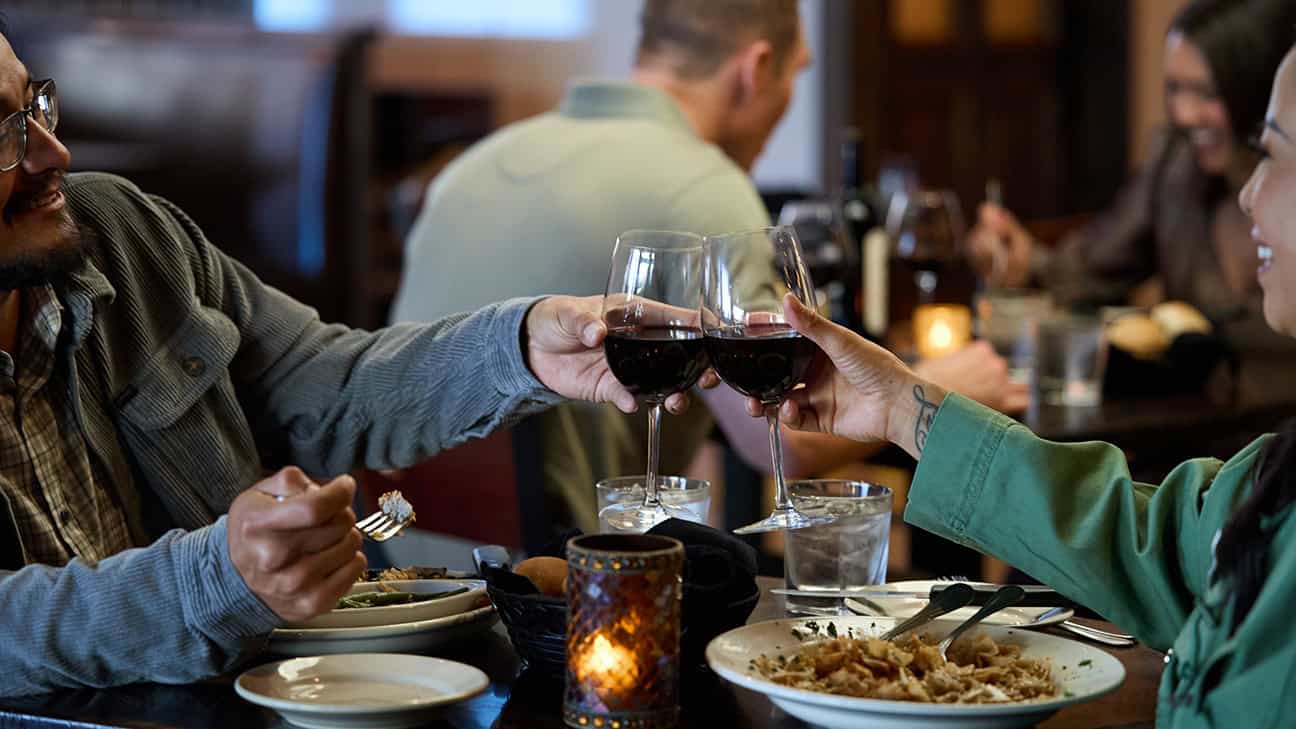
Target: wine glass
(926, 227)
(751, 346)
(654, 342)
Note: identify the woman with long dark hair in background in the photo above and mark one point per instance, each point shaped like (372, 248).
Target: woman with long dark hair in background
(1176, 224)
(1202, 565)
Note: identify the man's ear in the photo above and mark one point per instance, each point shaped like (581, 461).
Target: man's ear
(755, 68)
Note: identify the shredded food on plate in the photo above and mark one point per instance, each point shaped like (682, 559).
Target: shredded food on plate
(979, 671)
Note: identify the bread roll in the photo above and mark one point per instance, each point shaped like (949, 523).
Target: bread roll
(548, 574)
(1176, 317)
(1139, 335)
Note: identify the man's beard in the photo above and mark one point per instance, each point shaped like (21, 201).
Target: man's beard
(29, 269)
(50, 261)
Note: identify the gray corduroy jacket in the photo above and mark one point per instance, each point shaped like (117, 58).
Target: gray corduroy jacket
(193, 379)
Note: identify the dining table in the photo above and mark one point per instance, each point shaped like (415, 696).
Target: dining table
(522, 698)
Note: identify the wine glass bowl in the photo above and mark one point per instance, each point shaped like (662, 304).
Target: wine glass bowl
(750, 344)
(654, 345)
(926, 229)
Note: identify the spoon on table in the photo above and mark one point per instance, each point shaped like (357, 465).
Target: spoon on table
(946, 601)
(1006, 596)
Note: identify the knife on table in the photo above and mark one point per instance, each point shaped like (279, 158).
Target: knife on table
(1036, 595)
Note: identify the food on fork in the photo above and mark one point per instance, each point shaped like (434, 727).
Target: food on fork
(978, 670)
(548, 574)
(394, 505)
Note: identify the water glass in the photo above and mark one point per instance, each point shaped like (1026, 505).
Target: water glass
(687, 498)
(1009, 320)
(848, 554)
(1072, 360)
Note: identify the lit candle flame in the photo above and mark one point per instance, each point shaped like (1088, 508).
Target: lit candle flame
(603, 656)
(940, 336)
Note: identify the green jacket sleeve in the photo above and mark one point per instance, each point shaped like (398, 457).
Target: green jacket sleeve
(1071, 516)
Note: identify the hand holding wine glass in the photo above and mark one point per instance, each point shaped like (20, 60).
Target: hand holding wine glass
(750, 344)
(654, 341)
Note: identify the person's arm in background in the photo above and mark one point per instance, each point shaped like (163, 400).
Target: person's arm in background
(1101, 262)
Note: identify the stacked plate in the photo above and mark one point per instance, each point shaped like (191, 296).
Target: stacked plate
(407, 628)
(353, 670)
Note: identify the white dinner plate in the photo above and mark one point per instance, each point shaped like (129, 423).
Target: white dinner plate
(370, 690)
(1083, 673)
(407, 613)
(415, 637)
(903, 607)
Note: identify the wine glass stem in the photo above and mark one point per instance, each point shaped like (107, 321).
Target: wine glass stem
(781, 500)
(654, 446)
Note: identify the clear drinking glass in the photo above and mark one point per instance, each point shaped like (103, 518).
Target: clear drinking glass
(654, 343)
(1072, 360)
(1009, 319)
(849, 554)
(692, 497)
(751, 346)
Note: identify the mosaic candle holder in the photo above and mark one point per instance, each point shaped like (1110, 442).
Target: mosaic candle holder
(623, 631)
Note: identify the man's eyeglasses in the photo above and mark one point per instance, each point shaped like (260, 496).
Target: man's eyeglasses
(13, 129)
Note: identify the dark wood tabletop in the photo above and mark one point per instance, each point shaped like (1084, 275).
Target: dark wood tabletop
(1262, 394)
(516, 699)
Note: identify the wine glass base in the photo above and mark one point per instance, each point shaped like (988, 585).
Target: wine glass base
(639, 517)
(784, 521)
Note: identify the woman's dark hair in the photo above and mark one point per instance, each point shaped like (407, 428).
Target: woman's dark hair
(1243, 41)
(1243, 549)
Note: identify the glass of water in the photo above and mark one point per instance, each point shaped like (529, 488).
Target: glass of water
(691, 498)
(848, 554)
(1072, 360)
(1009, 320)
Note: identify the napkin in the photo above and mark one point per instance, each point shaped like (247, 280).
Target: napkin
(1185, 367)
(719, 568)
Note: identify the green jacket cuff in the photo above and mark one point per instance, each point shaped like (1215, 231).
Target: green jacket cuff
(951, 475)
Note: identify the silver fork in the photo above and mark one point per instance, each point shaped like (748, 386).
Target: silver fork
(1097, 635)
(379, 527)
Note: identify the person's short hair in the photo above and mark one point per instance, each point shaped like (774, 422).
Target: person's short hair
(696, 37)
(1243, 41)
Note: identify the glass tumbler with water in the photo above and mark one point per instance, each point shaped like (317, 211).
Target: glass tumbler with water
(848, 554)
(688, 498)
(1072, 360)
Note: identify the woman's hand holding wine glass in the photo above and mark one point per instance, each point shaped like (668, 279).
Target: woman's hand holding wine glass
(750, 344)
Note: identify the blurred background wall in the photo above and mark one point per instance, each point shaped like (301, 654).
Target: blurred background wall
(301, 133)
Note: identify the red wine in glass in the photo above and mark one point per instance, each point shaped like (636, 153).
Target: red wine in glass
(654, 345)
(653, 362)
(746, 276)
(764, 361)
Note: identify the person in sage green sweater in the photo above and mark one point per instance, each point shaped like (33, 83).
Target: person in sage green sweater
(1202, 565)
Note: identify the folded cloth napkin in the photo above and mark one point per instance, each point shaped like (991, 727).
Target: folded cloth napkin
(719, 568)
(1185, 367)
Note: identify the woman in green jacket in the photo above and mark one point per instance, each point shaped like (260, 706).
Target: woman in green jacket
(1203, 565)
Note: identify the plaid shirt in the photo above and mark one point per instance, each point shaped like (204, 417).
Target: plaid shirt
(59, 500)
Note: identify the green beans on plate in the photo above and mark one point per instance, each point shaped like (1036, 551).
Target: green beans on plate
(383, 599)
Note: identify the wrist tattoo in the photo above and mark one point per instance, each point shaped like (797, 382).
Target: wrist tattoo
(926, 414)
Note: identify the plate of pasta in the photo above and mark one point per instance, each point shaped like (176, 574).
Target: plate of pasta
(837, 673)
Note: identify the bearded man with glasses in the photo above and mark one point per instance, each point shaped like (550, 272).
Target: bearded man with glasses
(148, 385)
